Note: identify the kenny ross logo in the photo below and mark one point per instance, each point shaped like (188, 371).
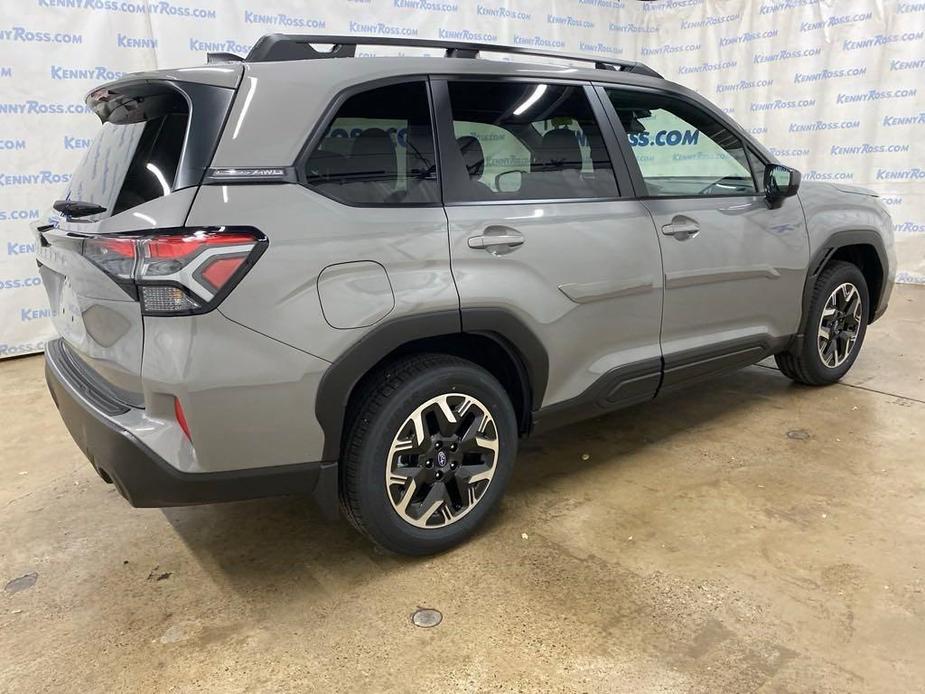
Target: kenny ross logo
(226, 46)
(12, 144)
(30, 314)
(668, 49)
(17, 248)
(465, 35)
(747, 37)
(707, 67)
(25, 35)
(40, 178)
(599, 48)
(537, 41)
(780, 104)
(881, 40)
(160, 7)
(836, 21)
(283, 20)
(77, 142)
(838, 150)
(826, 74)
(23, 348)
(875, 95)
(9, 215)
(33, 107)
(502, 12)
(824, 125)
(98, 73)
(913, 174)
(569, 21)
(425, 5)
(914, 119)
(382, 29)
(124, 41)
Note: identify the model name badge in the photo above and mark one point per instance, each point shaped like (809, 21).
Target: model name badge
(248, 173)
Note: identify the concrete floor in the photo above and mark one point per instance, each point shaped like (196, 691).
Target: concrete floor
(748, 535)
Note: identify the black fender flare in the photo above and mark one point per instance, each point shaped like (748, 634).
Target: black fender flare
(822, 255)
(339, 380)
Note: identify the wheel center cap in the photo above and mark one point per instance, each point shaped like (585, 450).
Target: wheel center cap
(441, 459)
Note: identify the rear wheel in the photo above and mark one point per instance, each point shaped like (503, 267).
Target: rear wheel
(430, 451)
(833, 329)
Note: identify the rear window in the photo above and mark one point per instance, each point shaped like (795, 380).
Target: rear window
(132, 163)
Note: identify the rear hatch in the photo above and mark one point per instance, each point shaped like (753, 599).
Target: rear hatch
(140, 174)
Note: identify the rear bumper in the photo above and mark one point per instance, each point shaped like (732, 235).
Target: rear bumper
(147, 480)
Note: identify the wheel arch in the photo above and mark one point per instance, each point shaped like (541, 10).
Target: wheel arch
(863, 248)
(492, 338)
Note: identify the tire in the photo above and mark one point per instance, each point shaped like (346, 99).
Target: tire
(813, 363)
(385, 460)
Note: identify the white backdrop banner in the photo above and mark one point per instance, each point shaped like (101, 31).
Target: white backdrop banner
(832, 87)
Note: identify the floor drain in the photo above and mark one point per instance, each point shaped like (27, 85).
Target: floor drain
(426, 618)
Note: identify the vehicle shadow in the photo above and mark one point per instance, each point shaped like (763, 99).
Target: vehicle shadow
(286, 543)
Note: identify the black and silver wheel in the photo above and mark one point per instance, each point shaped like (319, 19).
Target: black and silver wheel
(429, 453)
(834, 327)
(442, 460)
(839, 325)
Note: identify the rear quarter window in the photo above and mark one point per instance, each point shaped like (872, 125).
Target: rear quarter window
(378, 149)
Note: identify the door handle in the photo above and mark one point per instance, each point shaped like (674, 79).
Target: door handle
(682, 228)
(497, 239)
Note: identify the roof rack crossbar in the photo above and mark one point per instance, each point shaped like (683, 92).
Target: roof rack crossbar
(273, 47)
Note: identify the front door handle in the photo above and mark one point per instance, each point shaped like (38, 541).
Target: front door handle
(682, 228)
(497, 239)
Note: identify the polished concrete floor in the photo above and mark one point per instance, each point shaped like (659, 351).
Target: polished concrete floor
(748, 535)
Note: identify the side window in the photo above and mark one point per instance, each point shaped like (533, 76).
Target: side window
(529, 141)
(378, 150)
(682, 150)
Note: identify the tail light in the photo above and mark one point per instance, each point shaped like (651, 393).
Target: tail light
(177, 271)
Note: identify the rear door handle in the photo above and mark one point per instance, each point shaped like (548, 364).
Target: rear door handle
(681, 228)
(497, 239)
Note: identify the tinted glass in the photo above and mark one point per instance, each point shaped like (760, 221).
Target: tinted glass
(758, 168)
(529, 141)
(130, 164)
(378, 150)
(682, 150)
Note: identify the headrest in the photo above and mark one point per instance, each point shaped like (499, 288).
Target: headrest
(375, 147)
(326, 164)
(473, 156)
(558, 150)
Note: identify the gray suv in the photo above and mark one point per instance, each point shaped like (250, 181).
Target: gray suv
(365, 278)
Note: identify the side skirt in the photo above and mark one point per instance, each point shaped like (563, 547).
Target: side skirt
(642, 381)
(620, 387)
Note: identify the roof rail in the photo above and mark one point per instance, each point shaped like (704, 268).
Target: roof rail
(299, 47)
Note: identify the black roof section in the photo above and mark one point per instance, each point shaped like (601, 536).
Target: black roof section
(274, 47)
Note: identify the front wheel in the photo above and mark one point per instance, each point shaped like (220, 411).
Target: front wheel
(833, 329)
(430, 451)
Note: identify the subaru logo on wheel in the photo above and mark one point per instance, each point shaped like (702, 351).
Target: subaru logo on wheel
(441, 459)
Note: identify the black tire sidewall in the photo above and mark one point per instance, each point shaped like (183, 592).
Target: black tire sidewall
(811, 358)
(381, 520)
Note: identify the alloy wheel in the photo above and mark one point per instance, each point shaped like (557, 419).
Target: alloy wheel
(442, 460)
(839, 325)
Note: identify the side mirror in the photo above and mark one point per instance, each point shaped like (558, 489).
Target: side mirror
(509, 181)
(780, 182)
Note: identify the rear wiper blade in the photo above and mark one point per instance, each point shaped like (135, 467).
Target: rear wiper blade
(77, 208)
